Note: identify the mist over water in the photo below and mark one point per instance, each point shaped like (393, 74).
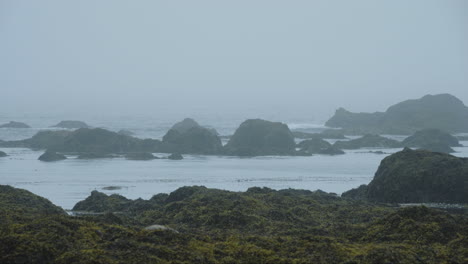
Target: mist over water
(144, 66)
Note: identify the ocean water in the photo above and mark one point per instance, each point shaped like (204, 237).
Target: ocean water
(69, 181)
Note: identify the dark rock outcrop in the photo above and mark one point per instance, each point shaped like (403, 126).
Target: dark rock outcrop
(443, 111)
(418, 176)
(99, 140)
(71, 124)
(188, 138)
(368, 141)
(86, 140)
(256, 137)
(13, 124)
(140, 156)
(2, 154)
(100, 202)
(175, 156)
(51, 156)
(433, 140)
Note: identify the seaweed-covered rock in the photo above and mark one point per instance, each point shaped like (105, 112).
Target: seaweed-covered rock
(71, 124)
(24, 202)
(256, 137)
(442, 111)
(51, 156)
(175, 156)
(433, 140)
(419, 176)
(140, 156)
(2, 154)
(368, 141)
(195, 140)
(100, 202)
(13, 124)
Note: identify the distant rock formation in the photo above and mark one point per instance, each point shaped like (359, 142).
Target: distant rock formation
(417, 176)
(13, 124)
(51, 156)
(71, 124)
(256, 137)
(433, 140)
(368, 141)
(187, 137)
(442, 111)
(140, 156)
(318, 146)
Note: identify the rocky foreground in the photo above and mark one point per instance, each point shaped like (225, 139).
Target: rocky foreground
(261, 225)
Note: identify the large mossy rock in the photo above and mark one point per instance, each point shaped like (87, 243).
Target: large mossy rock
(51, 156)
(71, 124)
(417, 176)
(187, 137)
(256, 137)
(442, 111)
(13, 124)
(14, 200)
(368, 141)
(433, 140)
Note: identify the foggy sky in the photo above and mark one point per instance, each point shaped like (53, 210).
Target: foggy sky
(309, 57)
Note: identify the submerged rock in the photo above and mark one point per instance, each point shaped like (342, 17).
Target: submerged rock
(51, 156)
(442, 111)
(175, 156)
(256, 137)
(159, 228)
(433, 140)
(326, 134)
(93, 155)
(71, 124)
(13, 124)
(140, 156)
(368, 141)
(2, 154)
(418, 176)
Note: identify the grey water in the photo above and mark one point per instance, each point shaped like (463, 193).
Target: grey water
(69, 181)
